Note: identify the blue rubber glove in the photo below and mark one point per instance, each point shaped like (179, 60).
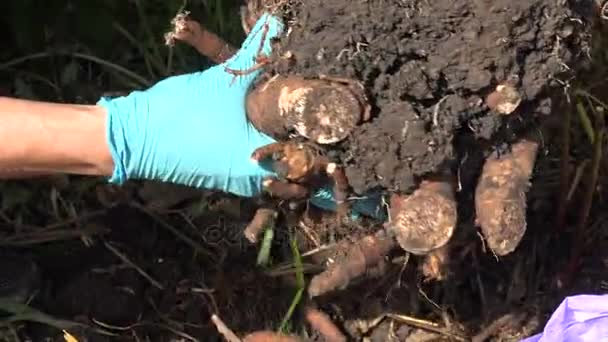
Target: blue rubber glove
(193, 129)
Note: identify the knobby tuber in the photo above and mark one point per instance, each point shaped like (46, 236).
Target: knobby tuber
(353, 261)
(301, 168)
(424, 220)
(325, 109)
(500, 196)
(264, 218)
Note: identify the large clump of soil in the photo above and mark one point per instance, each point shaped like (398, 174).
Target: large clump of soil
(428, 67)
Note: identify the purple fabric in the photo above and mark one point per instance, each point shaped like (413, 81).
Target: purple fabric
(578, 318)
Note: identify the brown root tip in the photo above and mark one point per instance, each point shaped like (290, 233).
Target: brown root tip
(435, 265)
(504, 100)
(300, 161)
(352, 261)
(263, 218)
(322, 323)
(285, 190)
(500, 197)
(269, 336)
(424, 220)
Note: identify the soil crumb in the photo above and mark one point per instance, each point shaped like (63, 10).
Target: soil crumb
(428, 67)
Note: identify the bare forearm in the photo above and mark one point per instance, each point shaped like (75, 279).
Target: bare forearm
(40, 137)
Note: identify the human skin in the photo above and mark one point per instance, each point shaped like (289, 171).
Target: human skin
(44, 138)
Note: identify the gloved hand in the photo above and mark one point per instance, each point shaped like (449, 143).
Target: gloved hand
(193, 129)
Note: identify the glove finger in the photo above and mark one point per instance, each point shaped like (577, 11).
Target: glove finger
(257, 45)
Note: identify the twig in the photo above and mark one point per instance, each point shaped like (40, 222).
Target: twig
(224, 330)
(426, 325)
(127, 261)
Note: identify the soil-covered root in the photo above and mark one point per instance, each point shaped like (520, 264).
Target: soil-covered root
(269, 336)
(429, 68)
(500, 196)
(321, 322)
(324, 110)
(264, 218)
(425, 220)
(301, 169)
(318, 320)
(353, 261)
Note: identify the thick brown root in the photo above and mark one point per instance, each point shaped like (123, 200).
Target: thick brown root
(354, 261)
(263, 218)
(424, 220)
(323, 111)
(321, 322)
(269, 336)
(292, 161)
(318, 320)
(500, 197)
(285, 190)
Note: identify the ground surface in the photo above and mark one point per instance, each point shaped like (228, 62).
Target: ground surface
(116, 263)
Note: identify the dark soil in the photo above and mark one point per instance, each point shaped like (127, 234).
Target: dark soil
(428, 66)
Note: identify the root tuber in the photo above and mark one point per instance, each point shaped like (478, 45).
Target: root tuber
(263, 218)
(284, 190)
(269, 336)
(354, 261)
(322, 110)
(301, 165)
(500, 197)
(193, 34)
(318, 320)
(321, 322)
(425, 220)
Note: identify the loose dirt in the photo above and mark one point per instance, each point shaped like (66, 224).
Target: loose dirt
(429, 66)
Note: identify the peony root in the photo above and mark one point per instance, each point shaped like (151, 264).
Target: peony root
(263, 218)
(318, 320)
(500, 197)
(323, 324)
(269, 336)
(304, 169)
(192, 33)
(324, 110)
(425, 220)
(356, 260)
